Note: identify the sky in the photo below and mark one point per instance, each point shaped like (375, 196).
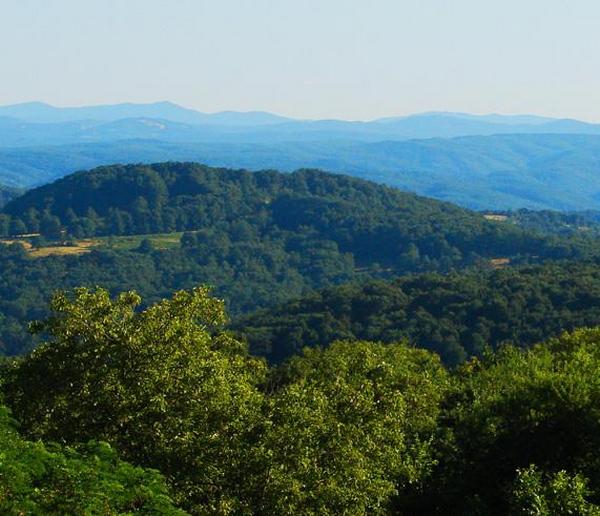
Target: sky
(347, 59)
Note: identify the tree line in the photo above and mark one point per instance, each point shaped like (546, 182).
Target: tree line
(457, 315)
(554, 222)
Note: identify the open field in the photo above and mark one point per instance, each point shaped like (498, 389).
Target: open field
(497, 218)
(158, 240)
(499, 263)
(81, 247)
(8, 241)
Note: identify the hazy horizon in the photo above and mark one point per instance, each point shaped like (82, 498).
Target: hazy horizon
(203, 111)
(311, 59)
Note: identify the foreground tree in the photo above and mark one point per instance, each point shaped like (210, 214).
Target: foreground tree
(537, 494)
(52, 479)
(355, 428)
(163, 385)
(333, 431)
(350, 427)
(518, 408)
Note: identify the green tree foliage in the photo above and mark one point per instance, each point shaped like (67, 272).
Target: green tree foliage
(339, 430)
(518, 408)
(350, 427)
(536, 494)
(455, 315)
(555, 222)
(159, 385)
(355, 428)
(40, 479)
(49, 227)
(7, 194)
(373, 222)
(260, 238)
(16, 227)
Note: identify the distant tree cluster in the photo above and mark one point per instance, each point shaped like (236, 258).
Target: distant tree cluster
(456, 315)
(554, 222)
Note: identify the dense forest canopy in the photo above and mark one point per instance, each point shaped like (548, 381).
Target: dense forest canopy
(183, 196)
(358, 427)
(456, 315)
(38, 478)
(551, 222)
(134, 404)
(373, 222)
(258, 238)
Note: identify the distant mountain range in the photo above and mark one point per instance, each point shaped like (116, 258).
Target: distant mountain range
(40, 112)
(41, 124)
(478, 161)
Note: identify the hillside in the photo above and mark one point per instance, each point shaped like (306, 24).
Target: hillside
(7, 193)
(375, 223)
(547, 171)
(550, 222)
(259, 238)
(457, 315)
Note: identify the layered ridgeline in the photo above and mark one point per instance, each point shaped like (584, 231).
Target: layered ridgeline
(37, 123)
(506, 171)
(456, 315)
(259, 238)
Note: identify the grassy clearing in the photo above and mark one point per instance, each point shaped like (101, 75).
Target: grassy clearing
(499, 263)
(497, 218)
(80, 247)
(158, 240)
(9, 241)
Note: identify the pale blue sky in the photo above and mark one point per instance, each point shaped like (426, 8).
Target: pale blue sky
(352, 59)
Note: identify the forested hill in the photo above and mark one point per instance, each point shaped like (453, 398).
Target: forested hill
(456, 315)
(377, 224)
(139, 199)
(258, 238)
